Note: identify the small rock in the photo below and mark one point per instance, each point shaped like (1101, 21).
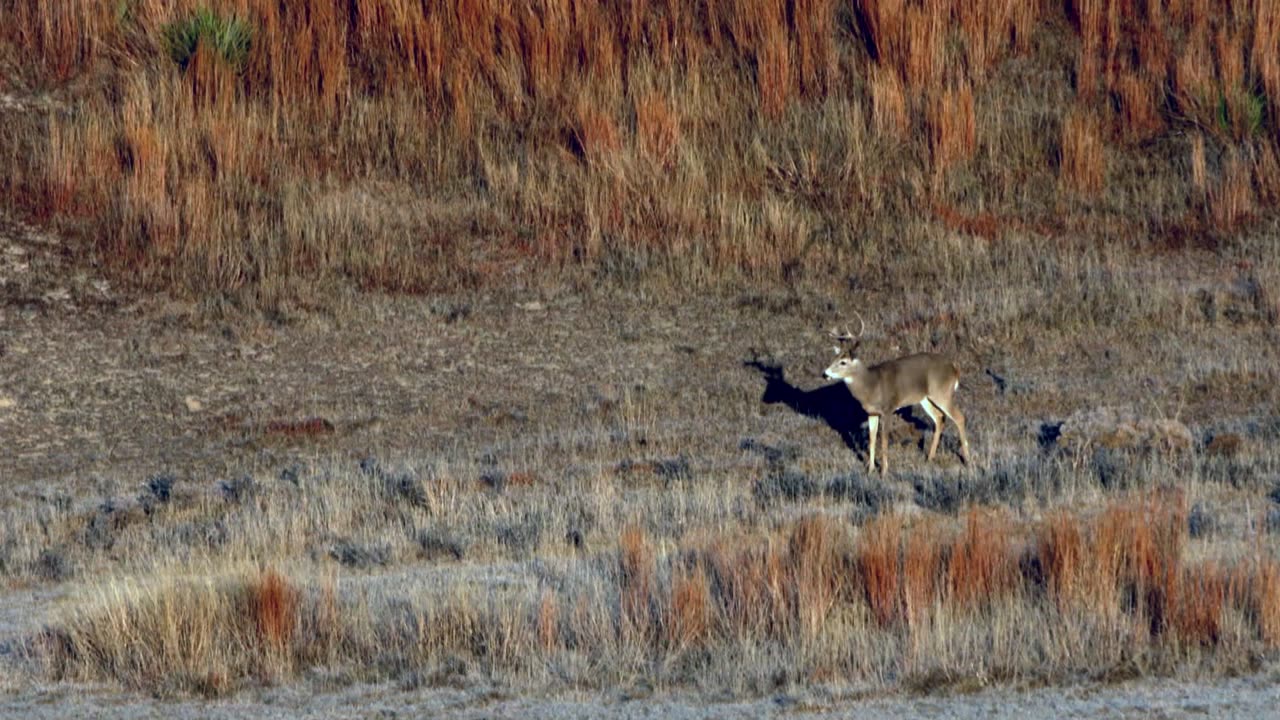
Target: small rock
(193, 403)
(533, 306)
(7, 403)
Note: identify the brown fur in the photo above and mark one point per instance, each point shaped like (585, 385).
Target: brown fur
(924, 378)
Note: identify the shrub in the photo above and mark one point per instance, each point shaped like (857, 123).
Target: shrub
(230, 37)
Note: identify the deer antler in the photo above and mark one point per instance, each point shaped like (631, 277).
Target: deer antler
(846, 336)
(840, 336)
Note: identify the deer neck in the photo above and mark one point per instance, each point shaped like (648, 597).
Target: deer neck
(859, 381)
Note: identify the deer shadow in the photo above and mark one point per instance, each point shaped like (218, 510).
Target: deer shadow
(832, 403)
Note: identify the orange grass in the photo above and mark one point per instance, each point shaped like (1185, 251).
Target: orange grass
(690, 617)
(953, 130)
(880, 566)
(637, 579)
(273, 603)
(505, 132)
(1083, 167)
(828, 598)
(983, 565)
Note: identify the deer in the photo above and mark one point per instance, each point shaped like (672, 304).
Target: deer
(929, 379)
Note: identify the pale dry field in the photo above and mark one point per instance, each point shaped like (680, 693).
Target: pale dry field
(639, 502)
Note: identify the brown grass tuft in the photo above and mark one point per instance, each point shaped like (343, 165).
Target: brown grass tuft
(1264, 600)
(657, 129)
(1199, 167)
(816, 570)
(273, 604)
(636, 578)
(880, 567)
(1063, 557)
(595, 131)
(1232, 201)
(1204, 592)
(548, 621)
(889, 104)
(689, 620)
(924, 565)
(953, 130)
(1138, 98)
(983, 566)
(1083, 165)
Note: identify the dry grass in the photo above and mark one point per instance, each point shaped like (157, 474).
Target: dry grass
(1084, 161)
(1002, 180)
(426, 147)
(1115, 582)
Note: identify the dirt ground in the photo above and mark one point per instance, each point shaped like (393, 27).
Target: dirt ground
(1232, 698)
(99, 386)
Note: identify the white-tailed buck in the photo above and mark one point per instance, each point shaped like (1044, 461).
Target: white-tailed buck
(925, 378)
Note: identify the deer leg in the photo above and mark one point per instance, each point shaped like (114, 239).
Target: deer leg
(873, 425)
(884, 452)
(938, 419)
(957, 417)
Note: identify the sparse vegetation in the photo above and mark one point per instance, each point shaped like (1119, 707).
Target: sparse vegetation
(1001, 581)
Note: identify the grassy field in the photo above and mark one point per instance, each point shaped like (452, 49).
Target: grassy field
(449, 345)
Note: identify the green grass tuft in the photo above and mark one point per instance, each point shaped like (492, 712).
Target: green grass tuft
(230, 37)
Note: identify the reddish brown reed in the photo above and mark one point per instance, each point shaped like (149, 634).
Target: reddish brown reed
(815, 47)
(1263, 57)
(1136, 95)
(65, 36)
(1195, 87)
(923, 63)
(595, 131)
(1266, 174)
(657, 129)
(548, 621)
(337, 83)
(689, 612)
(889, 104)
(1063, 556)
(1083, 154)
(983, 566)
(879, 565)
(774, 76)
(1205, 591)
(924, 570)
(1232, 201)
(273, 606)
(953, 128)
(815, 568)
(1263, 600)
(636, 578)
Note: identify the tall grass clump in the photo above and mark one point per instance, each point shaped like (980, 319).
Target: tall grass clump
(443, 146)
(230, 37)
